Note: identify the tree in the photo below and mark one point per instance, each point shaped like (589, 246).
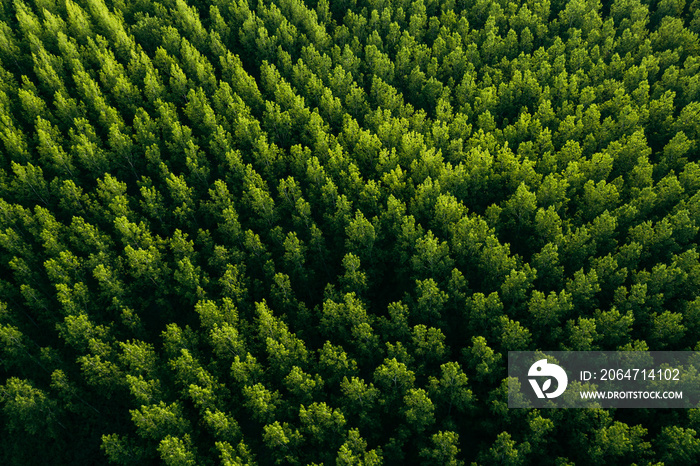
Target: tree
(444, 449)
(394, 379)
(29, 409)
(428, 344)
(283, 347)
(281, 439)
(418, 409)
(177, 452)
(261, 402)
(429, 302)
(549, 311)
(482, 360)
(348, 322)
(619, 439)
(678, 445)
(432, 258)
(354, 451)
(319, 421)
(303, 386)
(159, 421)
(361, 236)
(514, 337)
(354, 280)
(615, 327)
(452, 389)
(506, 451)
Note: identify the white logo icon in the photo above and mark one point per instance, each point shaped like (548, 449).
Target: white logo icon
(542, 369)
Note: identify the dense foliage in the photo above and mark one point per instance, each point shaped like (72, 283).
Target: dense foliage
(288, 232)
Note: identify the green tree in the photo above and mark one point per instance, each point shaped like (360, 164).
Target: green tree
(444, 451)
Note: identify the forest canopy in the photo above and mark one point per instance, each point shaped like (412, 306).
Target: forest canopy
(309, 232)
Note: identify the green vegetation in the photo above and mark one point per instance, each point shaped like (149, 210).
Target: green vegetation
(287, 232)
